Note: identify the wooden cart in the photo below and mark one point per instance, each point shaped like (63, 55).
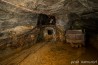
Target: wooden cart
(75, 37)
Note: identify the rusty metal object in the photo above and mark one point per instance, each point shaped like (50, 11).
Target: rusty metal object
(75, 38)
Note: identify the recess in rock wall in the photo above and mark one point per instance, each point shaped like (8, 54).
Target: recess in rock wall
(46, 20)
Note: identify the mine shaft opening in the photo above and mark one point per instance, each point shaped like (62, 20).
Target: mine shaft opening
(50, 32)
(91, 30)
(44, 19)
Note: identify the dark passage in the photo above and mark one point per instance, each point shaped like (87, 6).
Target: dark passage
(46, 20)
(50, 32)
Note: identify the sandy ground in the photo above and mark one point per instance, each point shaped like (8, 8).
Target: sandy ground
(59, 54)
(50, 53)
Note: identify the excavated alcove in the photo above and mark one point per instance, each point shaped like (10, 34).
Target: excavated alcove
(90, 25)
(46, 24)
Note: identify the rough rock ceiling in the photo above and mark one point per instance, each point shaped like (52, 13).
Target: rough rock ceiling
(53, 6)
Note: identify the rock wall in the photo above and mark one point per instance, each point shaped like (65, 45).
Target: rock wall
(11, 17)
(62, 22)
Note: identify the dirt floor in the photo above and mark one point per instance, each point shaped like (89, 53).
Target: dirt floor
(50, 53)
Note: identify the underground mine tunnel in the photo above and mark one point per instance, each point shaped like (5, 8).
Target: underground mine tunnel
(48, 32)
